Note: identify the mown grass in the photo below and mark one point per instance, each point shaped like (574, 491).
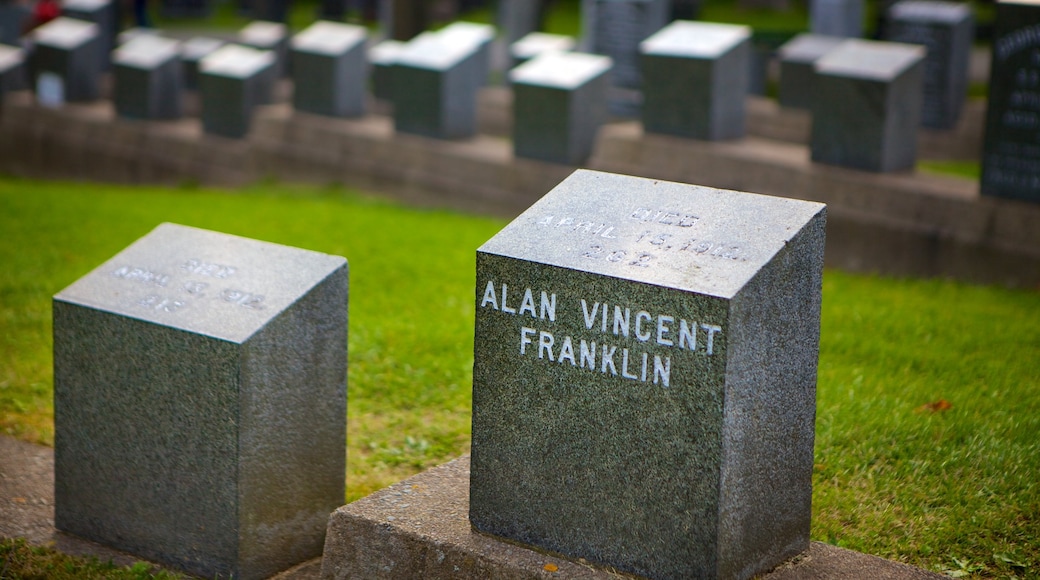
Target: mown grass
(928, 420)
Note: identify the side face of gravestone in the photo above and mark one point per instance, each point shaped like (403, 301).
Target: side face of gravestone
(1011, 157)
(382, 58)
(12, 69)
(200, 402)
(70, 49)
(797, 76)
(644, 376)
(194, 50)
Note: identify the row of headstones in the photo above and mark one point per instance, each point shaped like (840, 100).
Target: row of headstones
(200, 397)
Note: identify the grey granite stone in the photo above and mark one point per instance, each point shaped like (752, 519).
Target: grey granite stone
(644, 376)
(868, 105)
(382, 58)
(517, 19)
(480, 37)
(12, 69)
(233, 81)
(194, 50)
(695, 79)
(946, 30)
(133, 33)
(328, 64)
(615, 28)
(537, 43)
(69, 50)
(1011, 157)
(272, 36)
(559, 103)
(836, 18)
(435, 92)
(104, 13)
(200, 402)
(148, 75)
(797, 77)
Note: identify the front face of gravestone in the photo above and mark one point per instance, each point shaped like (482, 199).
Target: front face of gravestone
(601, 339)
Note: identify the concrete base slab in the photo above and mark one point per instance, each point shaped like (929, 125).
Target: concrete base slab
(419, 528)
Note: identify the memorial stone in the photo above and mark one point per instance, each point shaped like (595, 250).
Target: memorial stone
(1011, 151)
(615, 28)
(538, 43)
(133, 33)
(193, 51)
(947, 30)
(200, 402)
(148, 78)
(797, 77)
(328, 64)
(271, 36)
(13, 18)
(695, 79)
(480, 37)
(12, 69)
(233, 81)
(842, 18)
(644, 376)
(559, 103)
(868, 105)
(383, 57)
(435, 93)
(104, 13)
(65, 56)
(517, 19)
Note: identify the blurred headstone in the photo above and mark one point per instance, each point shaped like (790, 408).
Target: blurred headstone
(66, 55)
(836, 18)
(233, 81)
(148, 78)
(328, 64)
(797, 77)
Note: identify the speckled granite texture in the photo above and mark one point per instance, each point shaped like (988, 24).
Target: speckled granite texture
(644, 376)
(200, 402)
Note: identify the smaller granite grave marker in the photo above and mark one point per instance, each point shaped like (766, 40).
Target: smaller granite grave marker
(947, 30)
(272, 36)
(200, 402)
(868, 105)
(104, 13)
(615, 28)
(328, 64)
(695, 79)
(842, 18)
(193, 51)
(797, 77)
(12, 69)
(383, 57)
(66, 54)
(1011, 155)
(148, 75)
(517, 19)
(645, 367)
(559, 103)
(435, 93)
(480, 36)
(233, 81)
(537, 43)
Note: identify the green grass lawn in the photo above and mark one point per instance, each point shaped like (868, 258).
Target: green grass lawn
(928, 416)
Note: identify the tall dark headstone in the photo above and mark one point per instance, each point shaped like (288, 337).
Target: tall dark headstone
(947, 30)
(644, 376)
(695, 79)
(233, 81)
(1011, 152)
(65, 61)
(615, 28)
(867, 106)
(797, 77)
(148, 78)
(200, 402)
(328, 64)
(559, 103)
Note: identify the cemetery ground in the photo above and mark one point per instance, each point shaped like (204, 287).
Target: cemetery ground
(928, 398)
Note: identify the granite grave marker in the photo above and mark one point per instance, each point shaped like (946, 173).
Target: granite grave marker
(868, 105)
(435, 90)
(537, 43)
(12, 69)
(836, 18)
(328, 64)
(946, 30)
(272, 36)
(148, 78)
(200, 402)
(480, 37)
(65, 58)
(1011, 150)
(695, 79)
(644, 376)
(615, 28)
(382, 58)
(104, 13)
(797, 77)
(233, 81)
(193, 51)
(559, 103)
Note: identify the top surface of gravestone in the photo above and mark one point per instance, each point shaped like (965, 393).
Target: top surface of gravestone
(236, 61)
(435, 51)
(695, 39)
(262, 33)
(469, 32)
(870, 60)
(807, 48)
(688, 237)
(385, 53)
(85, 5)
(536, 43)
(565, 70)
(331, 38)
(1025, 2)
(199, 46)
(66, 33)
(146, 52)
(10, 57)
(930, 11)
(203, 282)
